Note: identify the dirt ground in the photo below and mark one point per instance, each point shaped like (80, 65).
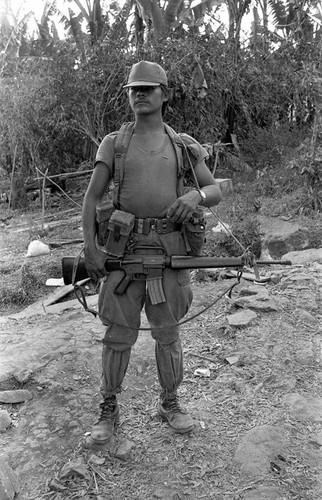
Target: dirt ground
(248, 373)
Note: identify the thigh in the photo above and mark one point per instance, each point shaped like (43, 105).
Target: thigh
(121, 313)
(163, 317)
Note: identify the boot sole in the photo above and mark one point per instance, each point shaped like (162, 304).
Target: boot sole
(178, 431)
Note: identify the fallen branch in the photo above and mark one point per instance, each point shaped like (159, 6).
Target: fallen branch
(57, 244)
(33, 183)
(64, 192)
(201, 357)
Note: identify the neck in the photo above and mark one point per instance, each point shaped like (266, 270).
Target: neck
(148, 124)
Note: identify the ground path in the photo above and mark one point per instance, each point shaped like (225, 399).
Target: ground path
(258, 415)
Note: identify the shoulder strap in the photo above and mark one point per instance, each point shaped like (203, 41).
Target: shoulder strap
(181, 145)
(178, 148)
(177, 144)
(122, 142)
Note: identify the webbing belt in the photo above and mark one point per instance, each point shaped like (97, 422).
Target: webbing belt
(161, 226)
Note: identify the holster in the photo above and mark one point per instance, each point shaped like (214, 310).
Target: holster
(194, 233)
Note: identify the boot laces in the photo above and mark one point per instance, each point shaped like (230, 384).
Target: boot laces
(173, 405)
(107, 408)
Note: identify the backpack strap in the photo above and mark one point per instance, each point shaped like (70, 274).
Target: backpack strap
(178, 148)
(183, 145)
(121, 146)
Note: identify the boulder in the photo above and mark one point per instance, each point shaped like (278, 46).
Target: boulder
(280, 237)
(304, 256)
(15, 396)
(9, 485)
(259, 448)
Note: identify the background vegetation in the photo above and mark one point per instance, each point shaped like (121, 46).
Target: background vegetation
(256, 100)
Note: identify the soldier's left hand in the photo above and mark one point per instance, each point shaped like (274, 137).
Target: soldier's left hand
(183, 208)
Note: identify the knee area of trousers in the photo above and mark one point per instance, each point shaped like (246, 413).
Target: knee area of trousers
(165, 337)
(116, 346)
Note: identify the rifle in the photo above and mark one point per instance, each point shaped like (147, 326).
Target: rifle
(149, 264)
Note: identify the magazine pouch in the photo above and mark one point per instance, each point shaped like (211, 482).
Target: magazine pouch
(120, 228)
(194, 233)
(104, 211)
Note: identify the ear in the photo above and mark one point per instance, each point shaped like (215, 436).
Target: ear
(166, 93)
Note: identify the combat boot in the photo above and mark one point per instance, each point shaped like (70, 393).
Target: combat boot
(103, 429)
(175, 415)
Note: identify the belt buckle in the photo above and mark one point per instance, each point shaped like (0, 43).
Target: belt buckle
(152, 223)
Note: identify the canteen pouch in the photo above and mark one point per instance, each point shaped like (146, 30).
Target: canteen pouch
(194, 233)
(104, 211)
(120, 227)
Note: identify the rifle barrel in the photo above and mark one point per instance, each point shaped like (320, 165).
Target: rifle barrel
(202, 262)
(187, 262)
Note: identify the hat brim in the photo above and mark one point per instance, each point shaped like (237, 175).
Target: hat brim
(142, 84)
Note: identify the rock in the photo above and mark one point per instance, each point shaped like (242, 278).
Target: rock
(260, 302)
(37, 248)
(304, 408)
(17, 396)
(253, 290)
(306, 316)
(94, 459)
(305, 351)
(76, 468)
(304, 257)
(9, 485)
(55, 485)
(232, 360)
(166, 494)
(241, 318)
(258, 448)
(124, 450)
(5, 420)
(22, 376)
(263, 493)
(281, 237)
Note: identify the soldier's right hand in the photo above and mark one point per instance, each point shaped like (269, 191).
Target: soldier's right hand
(95, 263)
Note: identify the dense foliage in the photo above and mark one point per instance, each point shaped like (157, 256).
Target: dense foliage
(59, 97)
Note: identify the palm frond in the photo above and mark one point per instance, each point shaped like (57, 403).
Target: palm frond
(279, 13)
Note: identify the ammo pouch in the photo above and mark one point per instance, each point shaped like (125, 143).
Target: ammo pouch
(194, 233)
(114, 229)
(104, 211)
(120, 228)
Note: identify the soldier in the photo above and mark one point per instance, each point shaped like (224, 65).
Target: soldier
(151, 189)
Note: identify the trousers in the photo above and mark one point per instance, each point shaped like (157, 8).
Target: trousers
(122, 316)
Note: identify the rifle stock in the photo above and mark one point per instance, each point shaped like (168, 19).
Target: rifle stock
(174, 262)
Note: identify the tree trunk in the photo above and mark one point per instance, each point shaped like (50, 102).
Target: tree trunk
(18, 194)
